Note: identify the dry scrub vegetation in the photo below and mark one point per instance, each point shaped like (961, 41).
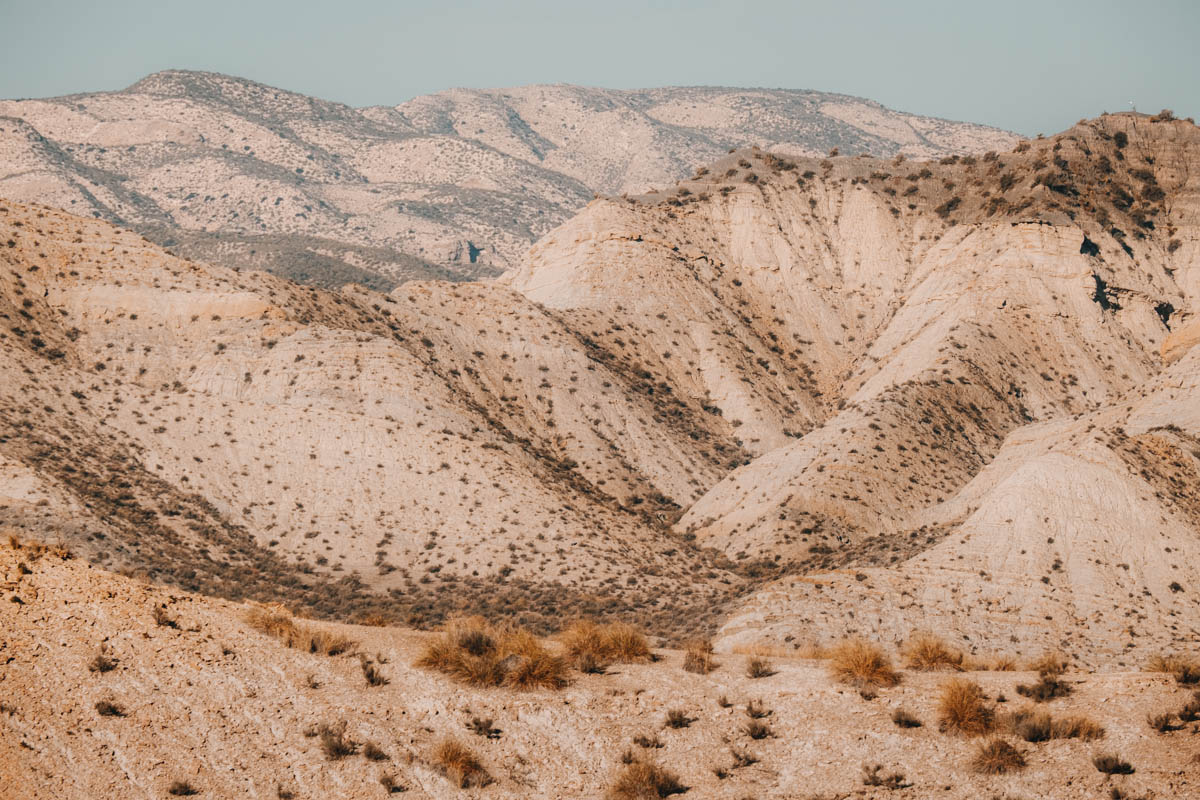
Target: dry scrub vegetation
(479, 654)
(278, 622)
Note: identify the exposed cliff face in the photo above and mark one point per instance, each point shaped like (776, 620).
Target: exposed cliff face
(451, 186)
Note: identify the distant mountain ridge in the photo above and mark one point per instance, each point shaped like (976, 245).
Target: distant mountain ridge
(455, 185)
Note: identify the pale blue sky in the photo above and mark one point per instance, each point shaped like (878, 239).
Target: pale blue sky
(1030, 66)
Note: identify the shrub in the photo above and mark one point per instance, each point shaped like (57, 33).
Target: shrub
(927, 652)
(648, 742)
(1049, 663)
(372, 752)
(1191, 709)
(1160, 722)
(678, 719)
(182, 789)
(278, 622)
(107, 708)
(698, 657)
(589, 644)
(961, 709)
(164, 620)
(1112, 764)
(371, 673)
(1185, 670)
(759, 668)
(475, 653)
(997, 757)
(1047, 688)
(644, 781)
(903, 719)
(334, 742)
(482, 726)
(391, 785)
(460, 766)
(871, 776)
(102, 662)
(757, 729)
(756, 710)
(862, 663)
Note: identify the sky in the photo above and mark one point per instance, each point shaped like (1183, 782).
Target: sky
(1030, 67)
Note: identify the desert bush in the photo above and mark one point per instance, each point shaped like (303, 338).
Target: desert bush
(371, 672)
(742, 758)
(182, 789)
(107, 708)
(698, 657)
(861, 663)
(1039, 726)
(475, 653)
(102, 662)
(647, 742)
(757, 729)
(873, 775)
(756, 710)
(997, 757)
(276, 621)
(334, 741)
(677, 718)
(903, 719)
(641, 780)
(459, 764)
(1191, 709)
(163, 619)
(390, 784)
(961, 708)
(1162, 723)
(1186, 671)
(372, 752)
(1049, 663)
(1112, 764)
(759, 668)
(1047, 688)
(482, 726)
(926, 652)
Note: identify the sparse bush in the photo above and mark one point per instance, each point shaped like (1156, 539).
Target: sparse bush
(107, 708)
(862, 663)
(390, 784)
(1112, 764)
(482, 726)
(1049, 663)
(647, 742)
(1038, 726)
(698, 657)
(927, 652)
(334, 742)
(961, 708)
(1160, 722)
(677, 718)
(872, 775)
(757, 729)
(903, 719)
(182, 789)
(759, 668)
(641, 780)
(1047, 688)
(102, 662)
(997, 757)
(1191, 709)
(372, 752)
(163, 619)
(756, 710)
(477, 654)
(459, 764)
(371, 673)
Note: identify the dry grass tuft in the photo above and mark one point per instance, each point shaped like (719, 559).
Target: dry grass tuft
(373, 752)
(103, 662)
(591, 646)
(1048, 687)
(1186, 671)
(1038, 726)
(459, 764)
(641, 780)
(997, 757)
(862, 663)
(903, 719)
(873, 775)
(277, 621)
(698, 657)
(961, 709)
(926, 652)
(182, 789)
(478, 654)
(677, 718)
(757, 729)
(107, 708)
(1161, 723)
(1049, 664)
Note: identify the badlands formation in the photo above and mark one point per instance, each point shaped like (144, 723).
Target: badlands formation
(453, 185)
(786, 401)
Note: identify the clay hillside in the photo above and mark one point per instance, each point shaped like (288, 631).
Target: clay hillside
(793, 410)
(455, 185)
